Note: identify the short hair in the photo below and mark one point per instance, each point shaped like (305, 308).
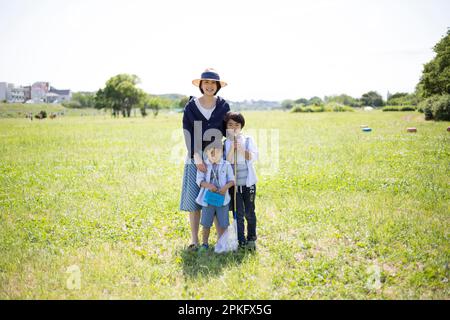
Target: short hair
(236, 117)
(218, 87)
(213, 146)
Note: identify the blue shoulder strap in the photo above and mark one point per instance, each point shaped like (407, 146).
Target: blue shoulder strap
(246, 147)
(224, 151)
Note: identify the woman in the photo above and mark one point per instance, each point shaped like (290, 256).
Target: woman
(203, 122)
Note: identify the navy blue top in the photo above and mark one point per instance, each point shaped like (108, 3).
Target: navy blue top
(192, 114)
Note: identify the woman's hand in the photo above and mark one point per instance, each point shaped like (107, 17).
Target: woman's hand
(199, 163)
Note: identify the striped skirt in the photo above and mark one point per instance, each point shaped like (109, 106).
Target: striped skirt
(189, 189)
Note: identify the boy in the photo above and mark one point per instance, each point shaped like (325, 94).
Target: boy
(218, 179)
(246, 179)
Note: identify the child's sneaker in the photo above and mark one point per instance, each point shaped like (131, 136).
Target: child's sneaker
(192, 247)
(251, 245)
(203, 248)
(242, 245)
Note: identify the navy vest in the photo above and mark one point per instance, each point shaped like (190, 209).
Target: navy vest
(192, 114)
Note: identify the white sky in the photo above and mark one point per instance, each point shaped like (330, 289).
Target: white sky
(271, 50)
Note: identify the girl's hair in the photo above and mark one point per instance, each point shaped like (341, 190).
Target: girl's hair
(218, 87)
(236, 117)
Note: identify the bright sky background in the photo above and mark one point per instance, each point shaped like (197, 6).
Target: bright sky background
(270, 50)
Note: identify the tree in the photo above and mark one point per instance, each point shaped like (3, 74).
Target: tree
(143, 110)
(120, 94)
(84, 99)
(372, 98)
(402, 99)
(315, 101)
(81, 100)
(436, 73)
(287, 104)
(100, 100)
(436, 107)
(183, 102)
(434, 85)
(302, 101)
(344, 99)
(154, 103)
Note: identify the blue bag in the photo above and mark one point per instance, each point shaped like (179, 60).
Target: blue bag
(214, 199)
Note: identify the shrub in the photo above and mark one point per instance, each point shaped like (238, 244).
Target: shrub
(441, 108)
(399, 108)
(300, 108)
(317, 108)
(297, 108)
(390, 108)
(337, 107)
(73, 104)
(436, 107)
(426, 107)
(41, 115)
(402, 99)
(331, 107)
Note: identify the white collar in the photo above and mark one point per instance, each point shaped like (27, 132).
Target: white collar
(197, 102)
(209, 162)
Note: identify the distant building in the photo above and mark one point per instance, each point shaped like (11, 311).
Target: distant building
(51, 97)
(56, 95)
(27, 92)
(17, 94)
(4, 92)
(11, 93)
(39, 91)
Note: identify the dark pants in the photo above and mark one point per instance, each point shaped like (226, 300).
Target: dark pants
(245, 203)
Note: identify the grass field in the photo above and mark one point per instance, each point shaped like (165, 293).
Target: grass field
(20, 110)
(347, 215)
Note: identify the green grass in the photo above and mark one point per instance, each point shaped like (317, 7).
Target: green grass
(103, 194)
(20, 110)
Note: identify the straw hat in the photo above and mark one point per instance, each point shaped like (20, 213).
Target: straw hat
(209, 74)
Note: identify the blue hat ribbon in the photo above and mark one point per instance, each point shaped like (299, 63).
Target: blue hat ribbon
(210, 75)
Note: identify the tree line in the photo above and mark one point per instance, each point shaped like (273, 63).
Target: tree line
(121, 95)
(371, 98)
(431, 95)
